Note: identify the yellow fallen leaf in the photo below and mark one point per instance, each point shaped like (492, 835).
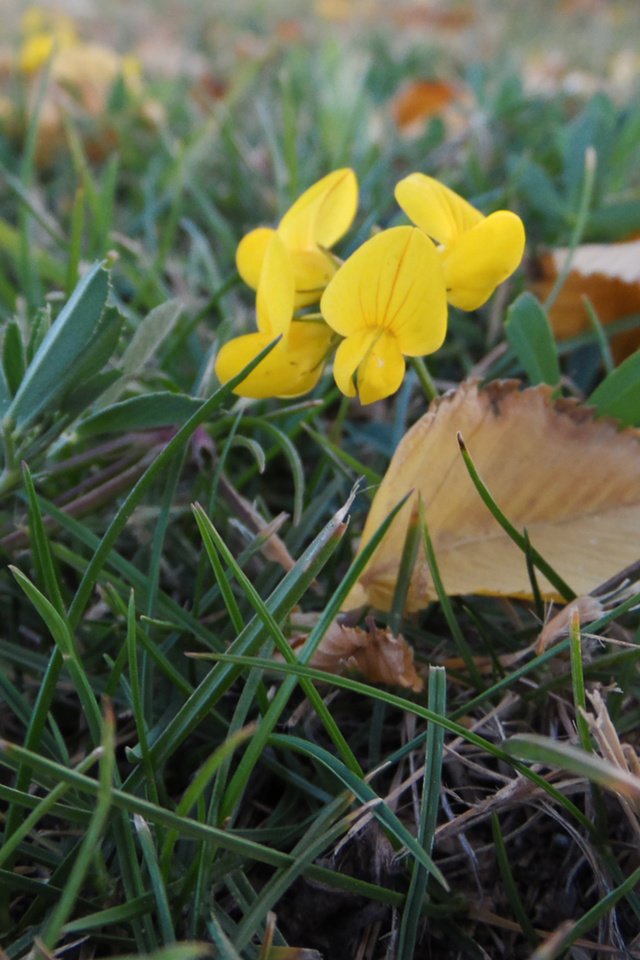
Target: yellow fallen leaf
(572, 481)
(609, 275)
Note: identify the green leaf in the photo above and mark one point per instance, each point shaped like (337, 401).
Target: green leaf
(564, 756)
(366, 795)
(619, 393)
(530, 336)
(614, 221)
(141, 413)
(39, 326)
(5, 393)
(81, 398)
(149, 335)
(13, 359)
(539, 192)
(54, 366)
(100, 347)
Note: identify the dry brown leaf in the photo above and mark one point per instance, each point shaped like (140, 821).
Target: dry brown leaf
(609, 275)
(572, 481)
(434, 16)
(419, 100)
(587, 609)
(375, 653)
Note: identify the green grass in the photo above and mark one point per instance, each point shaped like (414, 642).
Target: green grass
(170, 788)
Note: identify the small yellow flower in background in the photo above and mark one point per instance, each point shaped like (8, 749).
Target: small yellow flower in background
(295, 364)
(388, 301)
(308, 230)
(86, 70)
(478, 253)
(82, 77)
(45, 32)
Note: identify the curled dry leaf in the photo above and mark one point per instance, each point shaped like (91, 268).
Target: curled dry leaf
(621, 755)
(608, 274)
(573, 482)
(588, 609)
(376, 653)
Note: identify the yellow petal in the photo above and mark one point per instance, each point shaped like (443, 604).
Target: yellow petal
(376, 359)
(312, 270)
(274, 301)
(393, 281)
(482, 258)
(235, 355)
(288, 371)
(436, 209)
(36, 51)
(349, 356)
(380, 373)
(323, 213)
(250, 254)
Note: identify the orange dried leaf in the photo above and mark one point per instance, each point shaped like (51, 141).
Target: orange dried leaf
(609, 275)
(434, 17)
(421, 99)
(572, 481)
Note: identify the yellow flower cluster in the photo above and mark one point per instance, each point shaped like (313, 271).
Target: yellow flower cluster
(387, 301)
(81, 77)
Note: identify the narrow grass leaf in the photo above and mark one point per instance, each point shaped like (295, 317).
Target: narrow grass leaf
(564, 756)
(429, 808)
(203, 413)
(137, 703)
(281, 643)
(357, 686)
(518, 538)
(40, 545)
(288, 592)
(92, 837)
(447, 607)
(511, 889)
(10, 753)
(282, 696)
(366, 795)
(198, 785)
(205, 528)
(163, 909)
(61, 633)
(42, 808)
(577, 682)
(187, 950)
(75, 240)
(596, 914)
(405, 570)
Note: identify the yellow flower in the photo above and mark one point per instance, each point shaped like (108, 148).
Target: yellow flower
(315, 222)
(478, 252)
(388, 301)
(45, 32)
(296, 362)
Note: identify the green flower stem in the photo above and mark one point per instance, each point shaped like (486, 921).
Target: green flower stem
(427, 382)
(586, 196)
